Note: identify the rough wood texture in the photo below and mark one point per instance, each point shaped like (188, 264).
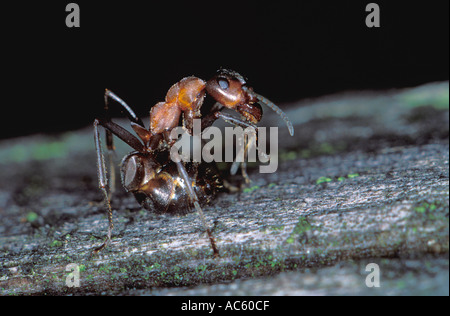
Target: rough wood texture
(364, 180)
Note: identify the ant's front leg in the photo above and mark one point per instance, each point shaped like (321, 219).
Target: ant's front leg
(216, 113)
(210, 118)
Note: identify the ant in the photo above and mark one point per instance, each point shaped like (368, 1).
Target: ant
(158, 183)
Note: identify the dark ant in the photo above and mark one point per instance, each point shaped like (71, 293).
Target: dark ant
(158, 183)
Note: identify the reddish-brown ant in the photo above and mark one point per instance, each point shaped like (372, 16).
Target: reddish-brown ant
(158, 183)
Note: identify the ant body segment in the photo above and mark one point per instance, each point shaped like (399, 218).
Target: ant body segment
(158, 183)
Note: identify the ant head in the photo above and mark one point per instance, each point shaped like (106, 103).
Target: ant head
(230, 89)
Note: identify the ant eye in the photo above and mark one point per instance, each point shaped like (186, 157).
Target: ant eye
(223, 83)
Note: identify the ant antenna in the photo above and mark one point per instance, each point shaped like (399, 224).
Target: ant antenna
(271, 105)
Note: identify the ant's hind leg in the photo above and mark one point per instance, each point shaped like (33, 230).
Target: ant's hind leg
(103, 184)
(135, 120)
(111, 162)
(128, 111)
(109, 137)
(111, 129)
(128, 138)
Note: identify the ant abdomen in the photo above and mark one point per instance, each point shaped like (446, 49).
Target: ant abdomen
(157, 186)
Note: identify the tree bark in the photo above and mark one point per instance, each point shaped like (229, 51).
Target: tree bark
(365, 179)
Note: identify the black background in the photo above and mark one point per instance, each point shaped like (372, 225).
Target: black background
(56, 76)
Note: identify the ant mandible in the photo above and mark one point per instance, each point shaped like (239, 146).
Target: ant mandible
(159, 183)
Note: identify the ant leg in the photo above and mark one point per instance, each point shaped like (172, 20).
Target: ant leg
(195, 201)
(111, 157)
(136, 123)
(111, 129)
(128, 138)
(135, 120)
(129, 112)
(230, 187)
(122, 133)
(244, 124)
(103, 184)
(193, 197)
(210, 118)
(235, 166)
(111, 152)
(244, 163)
